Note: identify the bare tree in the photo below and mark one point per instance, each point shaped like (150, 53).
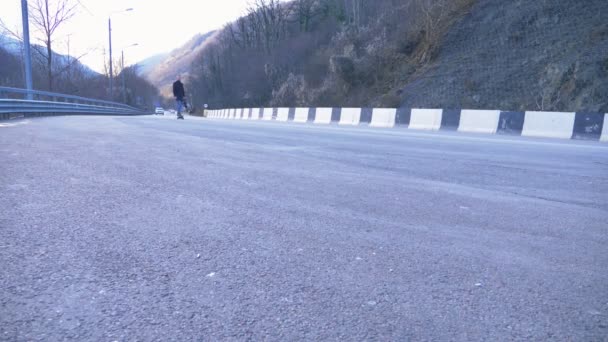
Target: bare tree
(304, 10)
(270, 21)
(47, 16)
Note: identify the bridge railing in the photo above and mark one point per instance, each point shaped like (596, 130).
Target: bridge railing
(22, 101)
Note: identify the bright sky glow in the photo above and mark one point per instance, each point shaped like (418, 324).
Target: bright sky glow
(157, 26)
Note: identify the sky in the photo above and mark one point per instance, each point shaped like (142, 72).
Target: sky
(156, 26)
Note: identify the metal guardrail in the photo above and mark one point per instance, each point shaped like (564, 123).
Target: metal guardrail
(42, 102)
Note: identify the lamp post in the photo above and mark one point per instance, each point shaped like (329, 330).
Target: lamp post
(122, 65)
(26, 44)
(110, 39)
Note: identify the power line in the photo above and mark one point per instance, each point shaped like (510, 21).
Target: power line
(85, 8)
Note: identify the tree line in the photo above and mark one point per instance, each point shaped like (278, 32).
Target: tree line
(65, 74)
(315, 52)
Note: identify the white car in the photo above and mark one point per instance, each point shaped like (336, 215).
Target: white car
(159, 110)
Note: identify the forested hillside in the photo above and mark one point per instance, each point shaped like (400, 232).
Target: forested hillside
(163, 71)
(518, 54)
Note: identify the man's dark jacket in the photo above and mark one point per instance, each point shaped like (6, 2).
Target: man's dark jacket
(178, 90)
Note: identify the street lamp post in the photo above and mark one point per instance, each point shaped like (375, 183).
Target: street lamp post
(122, 65)
(110, 39)
(26, 44)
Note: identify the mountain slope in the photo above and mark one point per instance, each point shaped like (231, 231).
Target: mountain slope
(520, 55)
(146, 66)
(162, 70)
(13, 47)
(478, 54)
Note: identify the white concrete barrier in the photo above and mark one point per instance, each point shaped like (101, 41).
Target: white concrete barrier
(549, 125)
(383, 117)
(426, 119)
(479, 121)
(301, 115)
(323, 116)
(283, 114)
(350, 116)
(244, 113)
(255, 113)
(604, 136)
(267, 114)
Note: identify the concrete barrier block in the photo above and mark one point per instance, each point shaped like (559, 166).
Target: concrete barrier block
(479, 121)
(450, 119)
(549, 125)
(426, 119)
(301, 115)
(588, 126)
(604, 136)
(283, 114)
(267, 114)
(292, 114)
(255, 113)
(383, 117)
(403, 116)
(350, 116)
(323, 116)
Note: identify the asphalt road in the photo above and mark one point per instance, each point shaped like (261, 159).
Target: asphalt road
(150, 228)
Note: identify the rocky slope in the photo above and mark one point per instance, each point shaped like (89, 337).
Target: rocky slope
(520, 55)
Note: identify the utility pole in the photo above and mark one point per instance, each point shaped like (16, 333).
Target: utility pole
(122, 66)
(110, 39)
(28, 56)
(111, 71)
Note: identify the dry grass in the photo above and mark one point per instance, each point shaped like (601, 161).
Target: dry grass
(435, 19)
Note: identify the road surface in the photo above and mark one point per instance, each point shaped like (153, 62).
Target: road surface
(150, 228)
